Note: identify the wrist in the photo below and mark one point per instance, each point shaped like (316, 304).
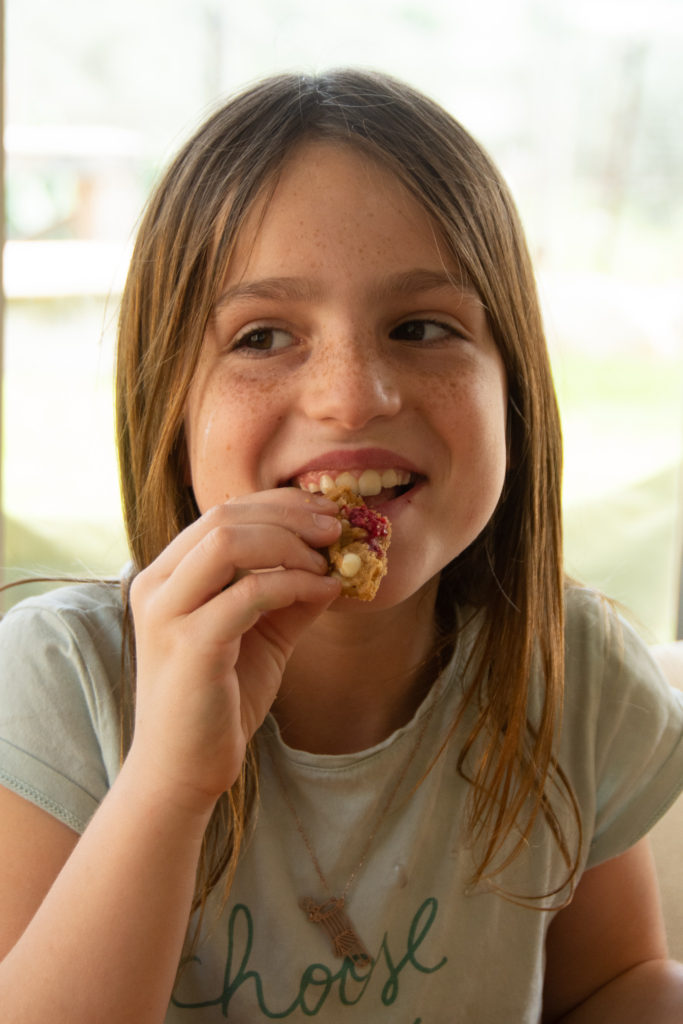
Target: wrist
(169, 801)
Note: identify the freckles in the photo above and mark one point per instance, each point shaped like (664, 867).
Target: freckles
(328, 369)
(472, 415)
(246, 390)
(479, 393)
(448, 392)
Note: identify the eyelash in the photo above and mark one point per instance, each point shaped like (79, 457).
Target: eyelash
(446, 329)
(241, 342)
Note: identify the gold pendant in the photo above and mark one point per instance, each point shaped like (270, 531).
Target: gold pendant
(334, 919)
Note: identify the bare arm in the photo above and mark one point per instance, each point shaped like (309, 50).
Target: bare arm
(92, 929)
(102, 942)
(606, 952)
(652, 992)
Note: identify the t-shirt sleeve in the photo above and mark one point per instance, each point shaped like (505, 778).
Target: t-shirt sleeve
(59, 729)
(624, 729)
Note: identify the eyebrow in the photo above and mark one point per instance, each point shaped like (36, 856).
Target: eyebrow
(304, 290)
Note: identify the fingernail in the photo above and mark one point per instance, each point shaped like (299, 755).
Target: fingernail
(319, 561)
(324, 522)
(322, 502)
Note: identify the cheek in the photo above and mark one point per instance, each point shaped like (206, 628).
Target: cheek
(473, 418)
(227, 433)
(215, 432)
(473, 412)
(210, 459)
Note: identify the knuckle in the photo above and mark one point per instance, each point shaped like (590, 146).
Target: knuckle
(218, 540)
(138, 588)
(251, 585)
(288, 513)
(215, 516)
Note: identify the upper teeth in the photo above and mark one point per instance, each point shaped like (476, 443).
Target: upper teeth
(370, 481)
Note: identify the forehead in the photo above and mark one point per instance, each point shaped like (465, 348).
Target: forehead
(331, 199)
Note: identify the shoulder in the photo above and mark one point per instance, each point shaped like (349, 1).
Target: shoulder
(592, 621)
(79, 625)
(96, 605)
(60, 690)
(622, 730)
(605, 655)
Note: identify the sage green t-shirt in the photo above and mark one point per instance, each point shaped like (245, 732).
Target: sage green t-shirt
(442, 951)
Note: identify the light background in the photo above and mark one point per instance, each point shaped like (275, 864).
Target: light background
(579, 103)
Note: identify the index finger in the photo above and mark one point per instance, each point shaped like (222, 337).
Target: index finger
(310, 516)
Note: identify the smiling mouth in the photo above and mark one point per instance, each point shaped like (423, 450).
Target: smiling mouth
(380, 484)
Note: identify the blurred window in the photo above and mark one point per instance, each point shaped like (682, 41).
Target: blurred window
(577, 102)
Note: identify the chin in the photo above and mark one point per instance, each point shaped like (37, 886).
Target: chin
(392, 594)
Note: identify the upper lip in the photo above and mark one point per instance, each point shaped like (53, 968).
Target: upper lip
(356, 459)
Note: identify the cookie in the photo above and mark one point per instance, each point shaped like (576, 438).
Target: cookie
(359, 557)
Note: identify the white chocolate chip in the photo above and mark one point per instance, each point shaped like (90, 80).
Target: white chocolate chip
(350, 564)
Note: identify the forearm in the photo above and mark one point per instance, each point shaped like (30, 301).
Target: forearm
(651, 991)
(104, 946)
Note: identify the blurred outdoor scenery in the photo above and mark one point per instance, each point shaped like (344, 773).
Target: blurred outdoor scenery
(578, 101)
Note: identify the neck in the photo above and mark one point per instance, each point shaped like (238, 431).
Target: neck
(357, 676)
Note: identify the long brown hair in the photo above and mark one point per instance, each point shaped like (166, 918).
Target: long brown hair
(513, 572)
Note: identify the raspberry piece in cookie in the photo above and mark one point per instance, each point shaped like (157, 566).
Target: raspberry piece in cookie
(359, 557)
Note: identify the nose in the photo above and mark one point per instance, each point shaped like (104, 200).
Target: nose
(351, 383)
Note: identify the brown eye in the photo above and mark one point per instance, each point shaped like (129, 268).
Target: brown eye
(422, 330)
(264, 339)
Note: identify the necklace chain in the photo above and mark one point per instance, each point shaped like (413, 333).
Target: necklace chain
(331, 914)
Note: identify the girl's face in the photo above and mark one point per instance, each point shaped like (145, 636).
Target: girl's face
(340, 345)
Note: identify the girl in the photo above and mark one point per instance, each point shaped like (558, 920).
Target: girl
(285, 803)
